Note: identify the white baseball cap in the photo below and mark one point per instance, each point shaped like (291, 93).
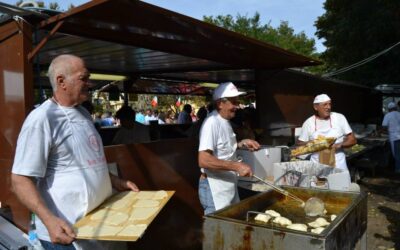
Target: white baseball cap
(321, 98)
(391, 105)
(226, 89)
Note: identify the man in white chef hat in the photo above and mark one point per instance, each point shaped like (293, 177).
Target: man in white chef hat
(328, 124)
(217, 152)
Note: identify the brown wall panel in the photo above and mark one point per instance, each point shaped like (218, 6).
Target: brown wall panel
(168, 165)
(16, 100)
(284, 98)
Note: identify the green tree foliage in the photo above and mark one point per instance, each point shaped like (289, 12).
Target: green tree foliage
(52, 5)
(71, 6)
(282, 36)
(357, 29)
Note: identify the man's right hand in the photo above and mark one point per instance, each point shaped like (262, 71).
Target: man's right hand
(60, 231)
(243, 169)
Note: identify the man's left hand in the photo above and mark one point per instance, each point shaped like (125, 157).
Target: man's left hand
(123, 185)
(251, 145)
(131, 186)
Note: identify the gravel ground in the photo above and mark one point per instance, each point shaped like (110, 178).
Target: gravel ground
(383, 190)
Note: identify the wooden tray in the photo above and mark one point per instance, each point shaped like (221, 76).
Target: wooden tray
(87, 221)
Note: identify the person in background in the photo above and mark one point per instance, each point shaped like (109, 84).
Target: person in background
(210, 108)
(60, 171)
(107, 120)
(140, 116)
(161, 117)
(328, 124)
(184, 116)
(217, 152)
(156, 117)
(243, 123)
(193, 115)
(169, 117)
(97, 120)
(90, 108)
(148, 117)
(201, 116)
(130, 131)
(391, 123)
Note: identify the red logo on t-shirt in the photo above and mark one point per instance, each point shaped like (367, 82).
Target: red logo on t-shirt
(93, 142)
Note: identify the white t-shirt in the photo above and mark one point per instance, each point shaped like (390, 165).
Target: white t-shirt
(62, 149)
(392, 121)
(216, 134)
(337, 121)
(138, 134)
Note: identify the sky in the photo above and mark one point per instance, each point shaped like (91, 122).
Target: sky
(301, 14)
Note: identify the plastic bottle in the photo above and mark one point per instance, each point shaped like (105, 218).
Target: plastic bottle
(32, 236)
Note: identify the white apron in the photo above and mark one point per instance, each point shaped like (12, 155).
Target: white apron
(340, 157)
(85, 183)
(223, 184)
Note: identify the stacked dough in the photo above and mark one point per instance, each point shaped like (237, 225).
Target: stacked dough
(124, 214)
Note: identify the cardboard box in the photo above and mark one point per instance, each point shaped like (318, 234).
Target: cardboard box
(261, 161)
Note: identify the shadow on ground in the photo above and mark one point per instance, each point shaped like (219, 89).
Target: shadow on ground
(394, 227)
(387, 184)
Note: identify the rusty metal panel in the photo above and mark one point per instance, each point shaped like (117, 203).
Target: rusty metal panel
(229, 229)
(169, 165)
(16, 100)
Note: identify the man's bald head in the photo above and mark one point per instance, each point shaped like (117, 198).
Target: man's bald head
(61, 65)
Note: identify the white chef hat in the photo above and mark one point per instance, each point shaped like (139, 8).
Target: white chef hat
(321, 98)
(227, 89)
(391, 105)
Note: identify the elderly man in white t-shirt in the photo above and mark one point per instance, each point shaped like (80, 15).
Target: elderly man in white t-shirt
(217, 152)
(60, 171)
(391, 123)
(329, 124)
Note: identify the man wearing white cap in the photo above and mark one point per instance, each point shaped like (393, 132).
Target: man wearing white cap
(217, 152)
(328, 124)
(391, 123)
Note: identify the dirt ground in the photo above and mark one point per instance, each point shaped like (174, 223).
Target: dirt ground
(383, 191)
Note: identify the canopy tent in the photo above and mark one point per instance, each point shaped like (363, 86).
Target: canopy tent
(140, 40)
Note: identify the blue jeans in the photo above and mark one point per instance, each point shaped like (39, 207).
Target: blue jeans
(396, 154)
(205, 196)
(51, 246)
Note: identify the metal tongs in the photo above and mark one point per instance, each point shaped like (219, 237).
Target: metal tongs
(280, 190)
(312, 207)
